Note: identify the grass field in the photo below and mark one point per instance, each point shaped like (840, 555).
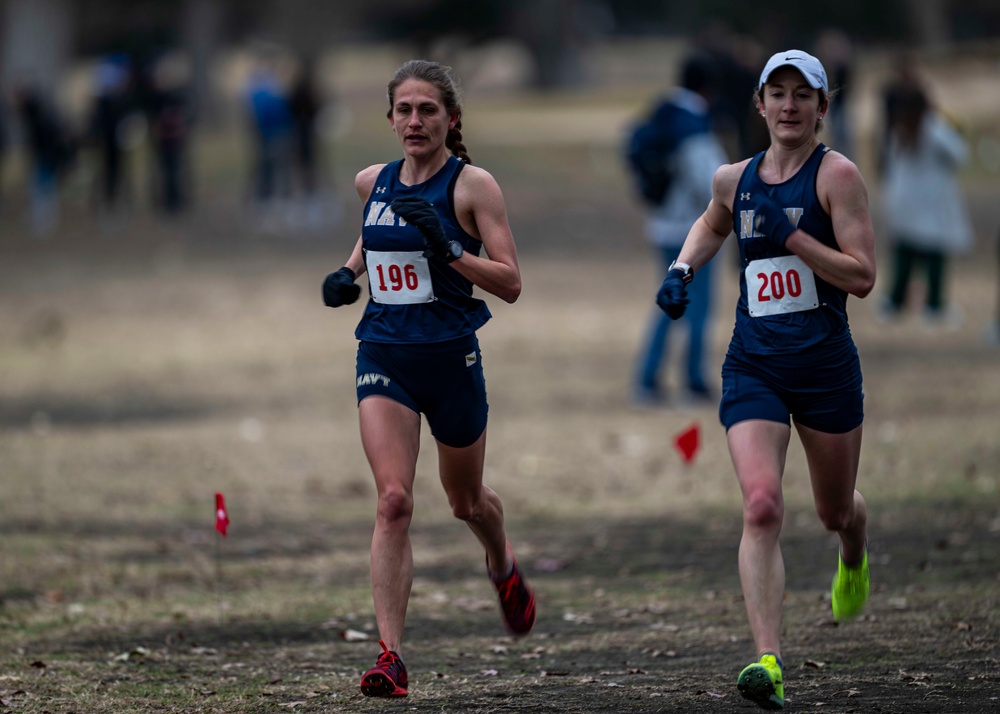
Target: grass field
(147, 365)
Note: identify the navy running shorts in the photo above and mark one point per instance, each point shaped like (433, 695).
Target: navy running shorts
(444, 381)
(821, 388)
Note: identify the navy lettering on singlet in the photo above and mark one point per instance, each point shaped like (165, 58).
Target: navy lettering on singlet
(453, 312)
(793, 331)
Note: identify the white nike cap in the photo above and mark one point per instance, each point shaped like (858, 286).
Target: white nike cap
(810, 67)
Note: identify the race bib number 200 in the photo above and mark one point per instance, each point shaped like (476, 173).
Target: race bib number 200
(780, 285)
(399, 277)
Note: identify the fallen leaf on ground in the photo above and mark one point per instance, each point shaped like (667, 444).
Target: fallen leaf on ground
(848, 692)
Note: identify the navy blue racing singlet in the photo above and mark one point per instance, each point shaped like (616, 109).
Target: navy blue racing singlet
(415, 299)
(784, 307)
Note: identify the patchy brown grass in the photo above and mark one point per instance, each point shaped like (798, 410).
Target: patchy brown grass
(142, 370)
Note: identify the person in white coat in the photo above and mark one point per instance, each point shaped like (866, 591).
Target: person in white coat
(925, 212)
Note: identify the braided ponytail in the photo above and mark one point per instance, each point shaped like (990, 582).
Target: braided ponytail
(454, 142)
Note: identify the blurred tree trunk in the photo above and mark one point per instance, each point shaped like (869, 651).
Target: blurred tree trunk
(556, 34)
(201, 25)
(36, 41)
(929, 22)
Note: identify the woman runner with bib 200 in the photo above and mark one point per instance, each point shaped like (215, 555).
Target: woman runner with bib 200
(800, 215)
(427, 216)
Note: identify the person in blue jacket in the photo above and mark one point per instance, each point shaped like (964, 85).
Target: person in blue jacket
(801, 218)
(683, 117)
(428, 218)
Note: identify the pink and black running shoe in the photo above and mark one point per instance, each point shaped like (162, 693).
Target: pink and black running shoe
(387, 678)
(517, 601)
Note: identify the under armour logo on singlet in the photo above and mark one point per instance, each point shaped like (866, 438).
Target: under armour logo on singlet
(744, 196)
(380, 189)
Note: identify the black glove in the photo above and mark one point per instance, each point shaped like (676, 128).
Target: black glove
(419, 212)
(772, 222)
(339, 288)
(672, 297)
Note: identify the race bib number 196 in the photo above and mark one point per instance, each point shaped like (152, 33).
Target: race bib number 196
(780, 285)
(399, 277)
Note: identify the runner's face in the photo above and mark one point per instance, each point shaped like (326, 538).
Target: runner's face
(419, 118)
(790, 106)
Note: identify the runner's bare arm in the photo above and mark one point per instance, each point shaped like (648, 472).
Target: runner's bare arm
(712, 228)
(843, 195)
(364, 182)
(481, 212)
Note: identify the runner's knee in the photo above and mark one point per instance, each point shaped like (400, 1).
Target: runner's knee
(395, 507)
(467, 508)
(834, 516)
(763, 510)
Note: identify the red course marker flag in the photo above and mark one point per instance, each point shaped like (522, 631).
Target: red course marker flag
(687, 443)
(221, 517)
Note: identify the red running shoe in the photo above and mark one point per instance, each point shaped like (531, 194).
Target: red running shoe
(517, 602)
(387, 678)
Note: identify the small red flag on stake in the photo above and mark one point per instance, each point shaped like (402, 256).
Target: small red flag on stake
(687, 443)
(221, 517)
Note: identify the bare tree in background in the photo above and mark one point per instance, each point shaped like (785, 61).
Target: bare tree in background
(929, 22)
(36, 40)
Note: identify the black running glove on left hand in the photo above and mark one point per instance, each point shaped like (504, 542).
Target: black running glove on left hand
(672, 297)
(339, 288)
(772, 221)
(419, 212)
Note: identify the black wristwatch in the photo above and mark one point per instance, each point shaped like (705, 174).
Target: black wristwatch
(687, 273)
(455, 251)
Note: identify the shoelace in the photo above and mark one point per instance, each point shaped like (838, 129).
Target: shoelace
(387, 659)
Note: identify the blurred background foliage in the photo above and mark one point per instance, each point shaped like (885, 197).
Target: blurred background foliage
(43, 36)
(551, 53)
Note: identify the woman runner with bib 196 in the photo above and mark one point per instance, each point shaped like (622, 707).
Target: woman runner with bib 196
(427, 216)
(800, 214)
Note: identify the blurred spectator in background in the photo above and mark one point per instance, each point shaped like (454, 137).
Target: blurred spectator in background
(926, 216)
(112, 104)
(904, 78)
(835, 50)
(51, 151)
(734, 115)
(305, 105)
(678, 140)
(271, 119)
(170, 127)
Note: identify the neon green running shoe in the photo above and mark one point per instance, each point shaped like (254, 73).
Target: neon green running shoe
(850, 589)
(762, 684)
